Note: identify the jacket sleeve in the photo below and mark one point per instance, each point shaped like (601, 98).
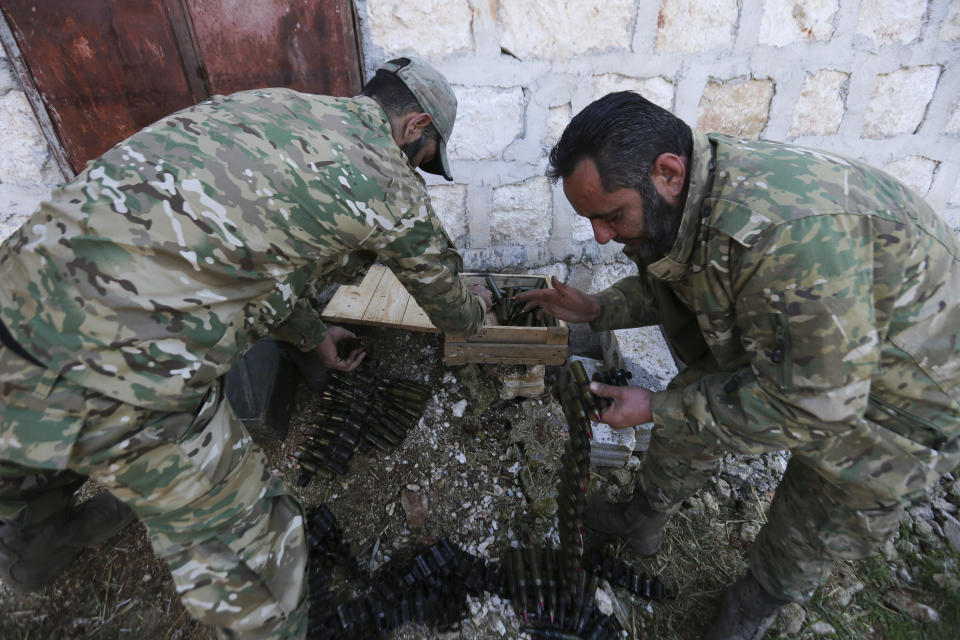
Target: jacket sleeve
(303, 327)
(421, 255)
(806, 319)
(625, 304)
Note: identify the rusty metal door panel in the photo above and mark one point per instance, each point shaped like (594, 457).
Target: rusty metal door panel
(308, 45)
(103, 68)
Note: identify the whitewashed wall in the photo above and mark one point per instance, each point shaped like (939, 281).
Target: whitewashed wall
(874, 79)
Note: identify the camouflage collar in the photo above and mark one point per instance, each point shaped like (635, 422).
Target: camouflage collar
(375, 112)
(675, 264)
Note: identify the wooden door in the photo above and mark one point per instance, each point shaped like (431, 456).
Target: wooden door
(97, 71)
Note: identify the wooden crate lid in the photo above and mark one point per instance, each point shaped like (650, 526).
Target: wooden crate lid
(379, 300)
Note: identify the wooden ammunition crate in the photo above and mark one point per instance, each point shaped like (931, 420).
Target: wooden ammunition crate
(381, 300)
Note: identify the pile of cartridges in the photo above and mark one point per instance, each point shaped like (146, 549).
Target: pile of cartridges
(620, 574)
(430, 590)
(510, 312)
(358, 410)
(552, 606)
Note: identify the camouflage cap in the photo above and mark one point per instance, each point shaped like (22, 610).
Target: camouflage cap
(436, 97)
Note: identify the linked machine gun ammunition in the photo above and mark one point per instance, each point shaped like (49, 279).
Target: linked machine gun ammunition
(357, 411)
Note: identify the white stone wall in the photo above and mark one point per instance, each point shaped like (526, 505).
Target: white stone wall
(27, 168)
(874, 79)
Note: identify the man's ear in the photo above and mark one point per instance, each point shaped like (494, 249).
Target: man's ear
(668, 174)
(414, 126)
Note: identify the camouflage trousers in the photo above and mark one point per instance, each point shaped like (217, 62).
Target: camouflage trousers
(231, 534)
(824, 510)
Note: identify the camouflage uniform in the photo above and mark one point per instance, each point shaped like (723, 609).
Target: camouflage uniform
(141, 281)
(817, 303)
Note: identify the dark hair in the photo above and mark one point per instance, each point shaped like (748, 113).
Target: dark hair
(623, 133)
(394, 96)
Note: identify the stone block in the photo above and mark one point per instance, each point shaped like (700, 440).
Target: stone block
(657, 90)
(7, 78)
(18, 202)
(522, 213)
(26, 157)
(450, 203)
(899, 101)
(953, 125)
(691, 26)
(540, 29)
(488, 120)
(736, 107)
(787, 21)
(427, 28)
(646, 347)
(581, 230)
(891, 21)
(557, 120)
(821, 105)
(950, 29)
(914, 171)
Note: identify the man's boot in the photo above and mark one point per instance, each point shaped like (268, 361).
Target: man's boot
(747, 611)
(32, 557)
(635, 522)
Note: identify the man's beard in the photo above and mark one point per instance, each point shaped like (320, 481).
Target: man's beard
(660, 227)
(413, 147)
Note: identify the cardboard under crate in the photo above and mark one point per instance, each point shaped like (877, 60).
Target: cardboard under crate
(381, 300)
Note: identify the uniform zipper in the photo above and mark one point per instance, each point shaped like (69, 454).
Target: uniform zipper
(909, 420)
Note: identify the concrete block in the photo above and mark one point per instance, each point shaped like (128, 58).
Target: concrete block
(450, 203)
(657, 90)
(604, 276)
(737, 107)
(521, 213)
(541, 29)
(899, 101)
(427, 28)
(646, 347)
(891, 21)
(914, 171)
(787, 21)
(488, 120)
(950, 29)
(26, 158)
(691, 26)
(821, 105)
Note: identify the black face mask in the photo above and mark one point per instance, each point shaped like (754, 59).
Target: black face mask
(413, 147)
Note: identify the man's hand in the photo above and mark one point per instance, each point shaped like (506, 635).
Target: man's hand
(328, 350)
(631, 405)
(567, 303)
(484, 293)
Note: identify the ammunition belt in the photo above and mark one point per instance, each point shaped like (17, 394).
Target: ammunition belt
(358, 410)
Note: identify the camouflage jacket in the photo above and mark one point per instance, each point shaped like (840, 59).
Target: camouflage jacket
(148, 275)
(818, 296)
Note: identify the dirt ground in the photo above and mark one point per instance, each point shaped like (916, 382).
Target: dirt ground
(482, 472)
(460, 463)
